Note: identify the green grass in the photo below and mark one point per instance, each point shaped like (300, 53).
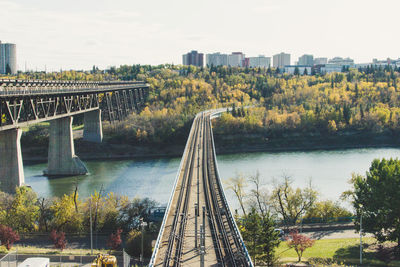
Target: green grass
(344, 251)
(50, 251)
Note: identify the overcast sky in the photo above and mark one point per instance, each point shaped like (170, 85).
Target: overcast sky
(79, 34)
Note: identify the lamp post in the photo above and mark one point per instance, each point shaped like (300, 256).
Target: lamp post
(142, 224)
(361, 234)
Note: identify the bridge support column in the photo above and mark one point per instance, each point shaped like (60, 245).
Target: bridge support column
(92, 131)
(11, 167)
(62, 160)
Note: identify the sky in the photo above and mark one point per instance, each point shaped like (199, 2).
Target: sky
(77, 34)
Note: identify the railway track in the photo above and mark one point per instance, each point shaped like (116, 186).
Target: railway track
(198, 228)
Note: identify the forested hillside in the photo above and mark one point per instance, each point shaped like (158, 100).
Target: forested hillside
(353, 103)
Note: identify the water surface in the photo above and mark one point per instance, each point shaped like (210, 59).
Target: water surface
(329, 172)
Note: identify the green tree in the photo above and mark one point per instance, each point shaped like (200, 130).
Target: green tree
(8, 69)
(296, 71)
(22, 211)
(376, 197)
(327, 211)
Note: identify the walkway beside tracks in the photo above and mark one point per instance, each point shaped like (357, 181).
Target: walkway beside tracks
(198, 227)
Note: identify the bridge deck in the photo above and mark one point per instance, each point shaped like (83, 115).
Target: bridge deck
(197, 183)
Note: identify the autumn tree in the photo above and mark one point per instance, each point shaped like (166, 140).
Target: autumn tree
(291, 203)
(299, 243)
(8, 236)
(58, 239)
(114, 241)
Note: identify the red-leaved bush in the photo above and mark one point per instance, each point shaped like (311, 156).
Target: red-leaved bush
(58, 239)
(8, 236)
(299, 242)
(115, 240)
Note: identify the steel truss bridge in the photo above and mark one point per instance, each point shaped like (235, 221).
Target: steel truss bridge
(23, 102)
(26, 102)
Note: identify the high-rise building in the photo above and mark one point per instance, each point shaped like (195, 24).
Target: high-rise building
(8, 58)
(260, 61)
(306, 60)
(217, 59)
(320, 61)
(281, 60)
(193, 58)
(236, 59)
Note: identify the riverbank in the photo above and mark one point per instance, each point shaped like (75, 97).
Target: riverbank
(225, 144)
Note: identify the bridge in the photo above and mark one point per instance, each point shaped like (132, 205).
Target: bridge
(26, 102)
(198, 228)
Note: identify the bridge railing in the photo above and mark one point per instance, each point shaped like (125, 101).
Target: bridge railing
(31, 90)
(160, 234)
(237, 232)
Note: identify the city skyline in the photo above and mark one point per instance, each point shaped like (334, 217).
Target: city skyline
(62, 36)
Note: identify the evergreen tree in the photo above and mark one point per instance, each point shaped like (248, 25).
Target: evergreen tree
(8, 69)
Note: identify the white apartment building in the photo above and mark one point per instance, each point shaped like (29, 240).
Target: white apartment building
(320, 61)
(306, 60)
(217, 59)
(281, 60)
(260, 61)
(236, 59)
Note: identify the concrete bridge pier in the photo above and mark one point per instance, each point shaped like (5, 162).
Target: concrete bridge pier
(62, 160)
(11, 166)
(92, 131)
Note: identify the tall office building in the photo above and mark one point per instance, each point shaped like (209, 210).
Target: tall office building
(193, 58)
(217, 59)
(8, 58)
(236, 59)
(306, 60)
(281, 60)
(260, 61)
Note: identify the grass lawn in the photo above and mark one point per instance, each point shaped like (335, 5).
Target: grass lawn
(345, 251)
(49, 251)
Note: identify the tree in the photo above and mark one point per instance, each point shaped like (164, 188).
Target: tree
(23, 211)
(299, 243)
(327, 211)
(260, 236)
(296, 71)
(291, 203)
(58, 239)
(237, 184)
(376, 197)
(8, 69)
(114, 240)
(8, 236)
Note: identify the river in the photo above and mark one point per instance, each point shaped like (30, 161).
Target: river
(329, 172)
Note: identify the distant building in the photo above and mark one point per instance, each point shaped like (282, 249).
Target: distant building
(320, 61)
(341, 61)
(217, 59)
(260, 62)
(303, 69)
(281, 60)
(329, 68)
(193, 58)
(306, 60)
(8, 57)
(236, 59)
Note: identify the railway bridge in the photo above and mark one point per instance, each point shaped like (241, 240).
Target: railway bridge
(198, 228)
(26, 102)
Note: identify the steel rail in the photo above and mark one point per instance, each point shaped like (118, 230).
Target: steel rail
(183, 188)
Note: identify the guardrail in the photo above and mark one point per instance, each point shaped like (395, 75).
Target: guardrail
(160, 234)
(39, 90)
(237, 232)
